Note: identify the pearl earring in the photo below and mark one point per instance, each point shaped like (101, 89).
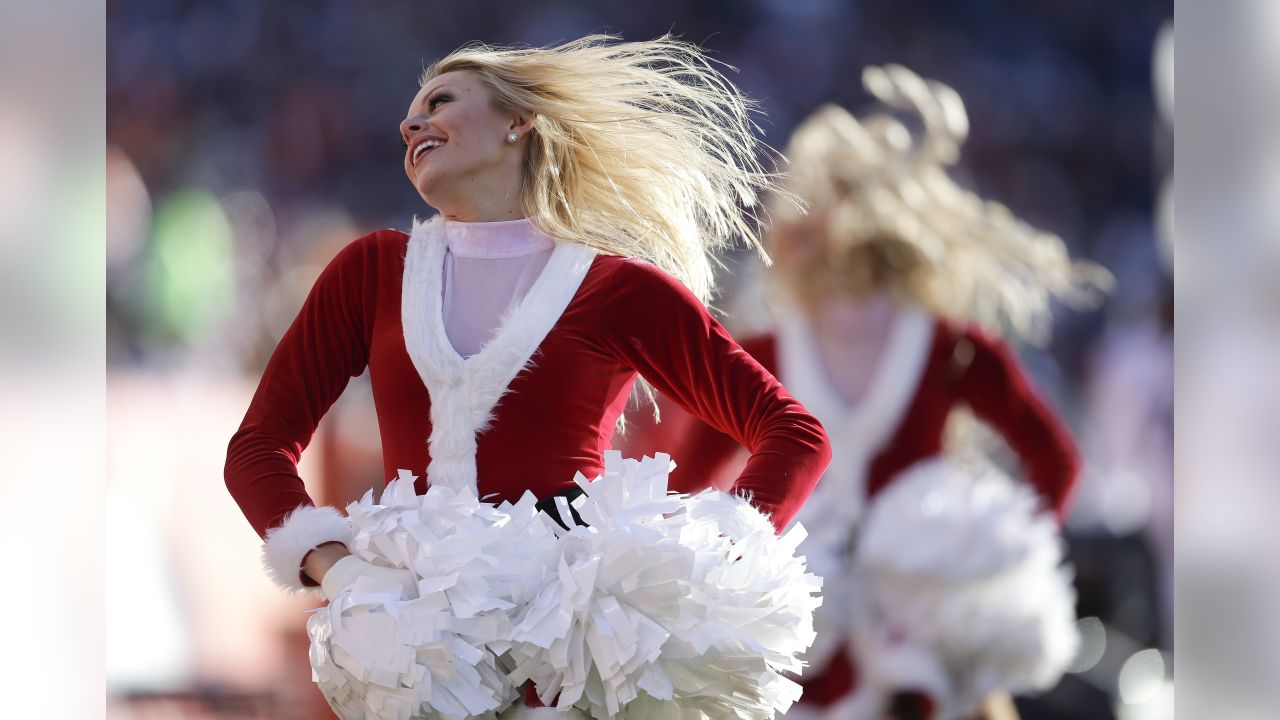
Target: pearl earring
(513, 136)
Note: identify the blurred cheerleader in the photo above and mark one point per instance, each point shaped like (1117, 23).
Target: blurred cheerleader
(582, 190)
(942, 580)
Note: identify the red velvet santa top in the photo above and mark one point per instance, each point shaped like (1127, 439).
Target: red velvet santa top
(928, 368)
(535, 406)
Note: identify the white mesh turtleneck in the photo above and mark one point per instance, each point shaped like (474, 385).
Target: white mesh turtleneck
(488, 269)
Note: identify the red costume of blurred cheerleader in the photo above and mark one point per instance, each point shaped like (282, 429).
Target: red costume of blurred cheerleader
(928, 368)
(888, 283)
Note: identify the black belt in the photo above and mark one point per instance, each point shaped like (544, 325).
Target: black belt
(549, 506)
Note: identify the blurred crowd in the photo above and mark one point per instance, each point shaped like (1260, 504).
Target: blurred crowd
(247, 142)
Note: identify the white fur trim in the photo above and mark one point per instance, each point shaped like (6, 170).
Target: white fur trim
(464, 391)
(857, 434)
(303, 530)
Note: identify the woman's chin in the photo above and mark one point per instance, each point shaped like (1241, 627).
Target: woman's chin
(427, 191)
(425, 178)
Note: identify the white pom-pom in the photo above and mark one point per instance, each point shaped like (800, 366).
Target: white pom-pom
(666, 606)
(592, 634)
(662, 606)
(958, 563)
(753, 601)
(379, 654)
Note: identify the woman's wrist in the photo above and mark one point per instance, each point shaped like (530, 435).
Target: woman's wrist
(317, 562)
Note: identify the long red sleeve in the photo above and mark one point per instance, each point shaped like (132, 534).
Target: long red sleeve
(326, 346)
(996, 387)
(656, 326)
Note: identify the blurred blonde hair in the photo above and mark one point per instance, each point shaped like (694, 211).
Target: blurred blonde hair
(885, 216)
(640, 149)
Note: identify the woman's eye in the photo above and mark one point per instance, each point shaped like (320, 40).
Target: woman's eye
(435, 101)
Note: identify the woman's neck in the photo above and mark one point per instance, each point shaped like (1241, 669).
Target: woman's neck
(854, 319)
(484, 214)
(484, 202)
(851, 334)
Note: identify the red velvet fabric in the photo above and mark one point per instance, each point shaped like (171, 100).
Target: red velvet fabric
(558, 416)
(964, 367)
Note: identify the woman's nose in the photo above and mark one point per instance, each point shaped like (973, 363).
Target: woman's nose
(412, 125)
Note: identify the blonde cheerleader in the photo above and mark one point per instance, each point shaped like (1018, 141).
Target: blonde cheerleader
(580, 193)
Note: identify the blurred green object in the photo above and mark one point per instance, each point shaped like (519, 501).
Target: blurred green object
(190, 274)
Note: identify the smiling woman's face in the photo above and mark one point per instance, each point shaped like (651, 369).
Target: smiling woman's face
(457, 145)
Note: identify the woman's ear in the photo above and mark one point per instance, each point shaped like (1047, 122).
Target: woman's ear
(521, 123)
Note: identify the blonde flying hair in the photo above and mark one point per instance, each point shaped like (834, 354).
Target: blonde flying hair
(884, 210)
(640, 149)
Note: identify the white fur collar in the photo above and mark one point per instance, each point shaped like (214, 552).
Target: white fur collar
(464, 391)
(856, 433)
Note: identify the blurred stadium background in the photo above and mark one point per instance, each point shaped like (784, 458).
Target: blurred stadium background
(247, 142)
